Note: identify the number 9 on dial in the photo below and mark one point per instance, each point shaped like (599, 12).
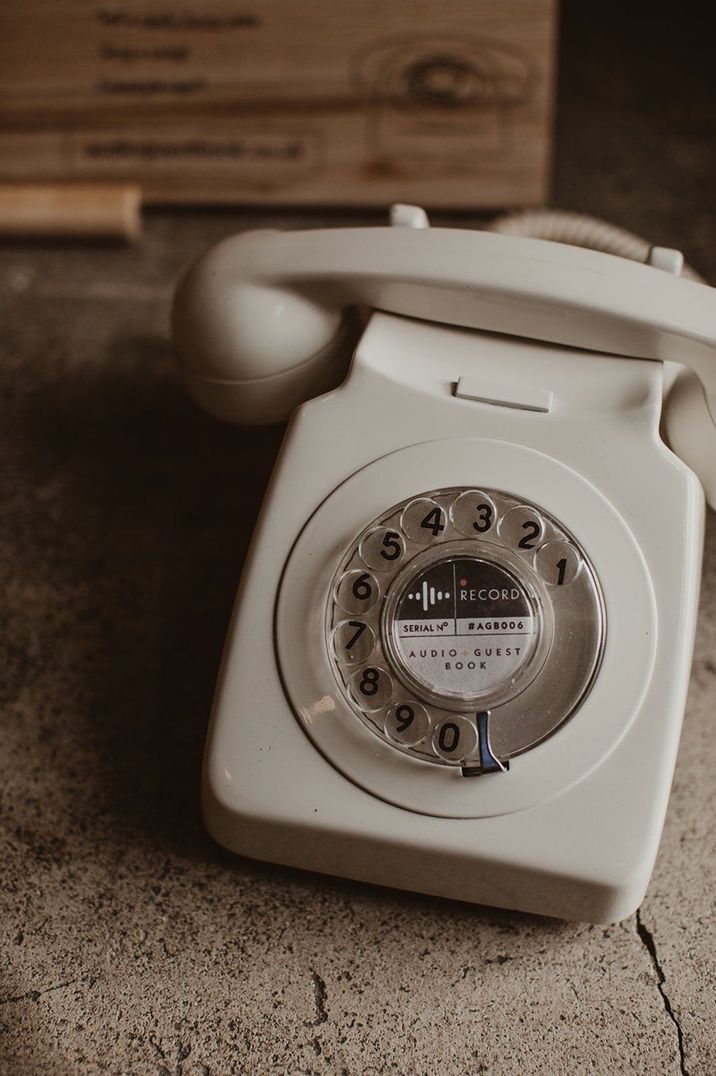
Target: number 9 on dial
(406, 723)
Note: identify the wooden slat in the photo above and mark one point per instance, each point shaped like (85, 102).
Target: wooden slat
(435, 100)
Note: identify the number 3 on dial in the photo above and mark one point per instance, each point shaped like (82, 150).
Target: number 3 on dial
(484, 518)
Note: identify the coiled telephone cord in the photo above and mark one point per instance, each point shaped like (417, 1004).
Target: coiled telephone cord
(579, 230)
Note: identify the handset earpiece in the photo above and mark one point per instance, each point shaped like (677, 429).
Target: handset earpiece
(254, 343)
(251, 351)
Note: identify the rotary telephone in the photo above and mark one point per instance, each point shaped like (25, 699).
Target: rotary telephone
(461, 647)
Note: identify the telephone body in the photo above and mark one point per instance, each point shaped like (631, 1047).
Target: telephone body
(461, 647)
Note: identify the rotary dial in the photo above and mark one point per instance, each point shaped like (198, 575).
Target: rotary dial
(464, 627)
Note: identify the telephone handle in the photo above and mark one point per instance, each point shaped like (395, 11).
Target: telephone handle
(259, 321)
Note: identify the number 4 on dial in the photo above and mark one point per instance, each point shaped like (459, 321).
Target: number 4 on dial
(434, 521)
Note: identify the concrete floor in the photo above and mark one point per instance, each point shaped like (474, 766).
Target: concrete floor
(131, 944)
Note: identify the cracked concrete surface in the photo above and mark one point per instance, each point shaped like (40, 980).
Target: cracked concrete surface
(131, 944)
(648, 940)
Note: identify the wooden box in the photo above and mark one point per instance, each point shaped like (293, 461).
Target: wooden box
(442, 102)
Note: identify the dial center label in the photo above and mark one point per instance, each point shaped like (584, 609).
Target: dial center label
(464, 627)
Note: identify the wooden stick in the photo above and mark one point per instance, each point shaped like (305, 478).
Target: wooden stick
(96, 210)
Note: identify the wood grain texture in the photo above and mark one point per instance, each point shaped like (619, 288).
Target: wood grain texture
(441, 102)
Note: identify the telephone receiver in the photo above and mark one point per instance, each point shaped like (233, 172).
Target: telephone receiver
(262, 321)
(459, 657)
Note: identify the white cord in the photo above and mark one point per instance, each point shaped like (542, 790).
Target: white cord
(579, 230)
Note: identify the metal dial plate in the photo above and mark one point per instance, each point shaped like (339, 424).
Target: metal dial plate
(460, 606)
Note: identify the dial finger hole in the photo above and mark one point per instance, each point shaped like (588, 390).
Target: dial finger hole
(382, 549)
(353, 641)
(407, 723)
(454, 739)
(473, 513)
(357, 591)
(423, 520)
(558, 563)
(522, 528)
(371, 687)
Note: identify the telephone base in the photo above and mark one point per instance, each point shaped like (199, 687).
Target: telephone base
(292, 776)
(333, 827)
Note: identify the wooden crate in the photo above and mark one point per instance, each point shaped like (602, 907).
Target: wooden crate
(443, 102)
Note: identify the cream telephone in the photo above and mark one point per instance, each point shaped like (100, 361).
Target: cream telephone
(461, 647)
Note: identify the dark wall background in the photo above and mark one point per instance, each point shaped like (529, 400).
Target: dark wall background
(636, 121)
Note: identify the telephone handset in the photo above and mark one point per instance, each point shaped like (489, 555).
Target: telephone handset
(459, 658)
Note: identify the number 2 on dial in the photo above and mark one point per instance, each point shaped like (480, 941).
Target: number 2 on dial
(532, 530)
